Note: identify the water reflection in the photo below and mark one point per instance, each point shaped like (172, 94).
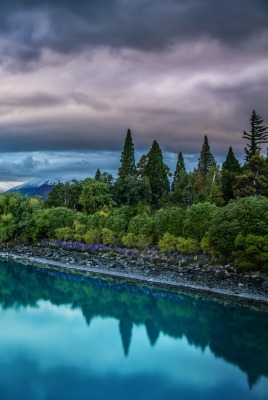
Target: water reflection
(64, 336)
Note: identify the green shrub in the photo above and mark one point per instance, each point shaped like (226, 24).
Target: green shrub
(198, 220)
(44, 223)
(142, 224)
(188, 246)
(117, 221)
(251, 251)
(7, 227)
(96, 221)
(65, 233)
(246, 216)
(169, 220)
(168, 243)
(109, 237)
(93, 236)
(136, 241)
(207, 247)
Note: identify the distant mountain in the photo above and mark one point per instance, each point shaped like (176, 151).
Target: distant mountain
(38, 187)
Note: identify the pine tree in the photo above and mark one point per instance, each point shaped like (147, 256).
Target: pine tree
(128, 167)
(157, 173)
(206, 159)
(184, 193)
(97, 175)
(253, 181)
(230, 169)
(180, 168)
(257, 135)
(215, 196)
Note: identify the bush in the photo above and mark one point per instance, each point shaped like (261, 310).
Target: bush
(96, 221)
(198, 220)
(93, 236)
(188, 246)
(136, 241)
(142, 224)
(45, 223)
(207, 247)
(109, 237)
(251, 251)
(169, 220)
(248, 216)
(117, 221)
(64, 234)
(168, 243)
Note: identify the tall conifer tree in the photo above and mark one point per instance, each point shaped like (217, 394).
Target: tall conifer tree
(157, 173)
(128, 167)
(206, 159)
(257, 135)
(230, 169)
(97, 176)
(180, 169)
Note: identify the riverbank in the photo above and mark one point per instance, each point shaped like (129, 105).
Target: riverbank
(250, 287)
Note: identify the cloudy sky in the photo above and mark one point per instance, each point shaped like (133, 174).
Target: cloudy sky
(76, 74)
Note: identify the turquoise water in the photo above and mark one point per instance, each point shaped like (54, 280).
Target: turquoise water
(66, 337)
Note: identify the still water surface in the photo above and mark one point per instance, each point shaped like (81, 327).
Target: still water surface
(67, 337)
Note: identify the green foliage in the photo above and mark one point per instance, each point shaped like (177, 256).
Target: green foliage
(254, 179)
(15, 215)
(198, 220)
(184, 192)
(96, 221)
(97, 176)
(246, 216)
(142, 224)
(142, 164)
(207, 247)
(7, 227)
(251, 251)
(157, 172)
(258, 135)
(206, 159)
(230, 169)
(44, 223)
(93, 236)
(128, 167)
(139, 241)
(65, 195)
(168, 243)
(65, 233)
(94, 196)
(215, 196)
(117, 221)
(132, 190)
(179, 171)
(169, 220)
(109, 237)
(187, 246)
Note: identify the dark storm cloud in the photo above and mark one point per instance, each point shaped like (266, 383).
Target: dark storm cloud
(69, 165)
(68, 25)
(33, 100)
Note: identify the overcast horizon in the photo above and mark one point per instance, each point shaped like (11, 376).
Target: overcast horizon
(77, 74)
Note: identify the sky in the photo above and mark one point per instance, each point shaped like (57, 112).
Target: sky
(76, 74)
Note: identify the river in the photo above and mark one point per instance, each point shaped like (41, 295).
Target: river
(67, 337)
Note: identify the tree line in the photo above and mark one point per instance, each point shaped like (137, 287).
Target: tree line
(220, 211)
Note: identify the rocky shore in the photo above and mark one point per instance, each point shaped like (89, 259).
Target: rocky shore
(222, 280)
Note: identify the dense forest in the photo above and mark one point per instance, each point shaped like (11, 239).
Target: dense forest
(217, 210)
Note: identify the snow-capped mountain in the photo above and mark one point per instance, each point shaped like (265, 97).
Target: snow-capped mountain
(38, 187)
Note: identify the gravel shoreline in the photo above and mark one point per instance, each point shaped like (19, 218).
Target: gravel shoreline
(247, 287)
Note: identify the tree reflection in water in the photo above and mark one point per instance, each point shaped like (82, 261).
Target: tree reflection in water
(234, 333)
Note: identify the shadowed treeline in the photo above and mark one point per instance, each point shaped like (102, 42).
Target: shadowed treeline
(236, 334)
